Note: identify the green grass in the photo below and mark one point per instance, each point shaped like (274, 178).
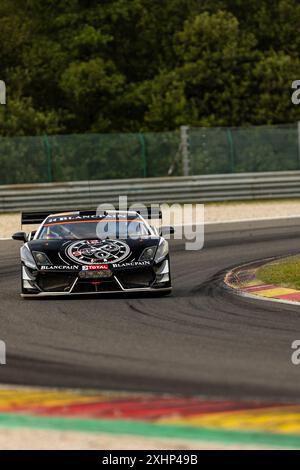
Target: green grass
(284, 272)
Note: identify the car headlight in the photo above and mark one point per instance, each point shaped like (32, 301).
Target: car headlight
(27, 258)
(148, 254)
(162, 251)
(41, 258)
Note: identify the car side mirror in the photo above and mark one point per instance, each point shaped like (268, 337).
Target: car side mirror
(20, 236)
(167, 231)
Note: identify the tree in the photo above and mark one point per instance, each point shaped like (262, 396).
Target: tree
(213, 76)
(132, 65)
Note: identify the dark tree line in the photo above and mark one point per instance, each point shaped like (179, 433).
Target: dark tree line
(97, 66)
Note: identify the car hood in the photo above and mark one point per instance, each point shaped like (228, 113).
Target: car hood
(89, 252)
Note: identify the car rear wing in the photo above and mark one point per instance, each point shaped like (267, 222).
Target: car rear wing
(146, 212)
(33, 218)
(36, 218)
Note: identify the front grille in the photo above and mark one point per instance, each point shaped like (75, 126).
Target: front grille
(55, 282)
(137, 278)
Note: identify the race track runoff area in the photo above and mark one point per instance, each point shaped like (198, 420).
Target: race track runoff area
(202, 367)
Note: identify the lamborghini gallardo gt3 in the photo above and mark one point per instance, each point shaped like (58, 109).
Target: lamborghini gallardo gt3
(86, 252)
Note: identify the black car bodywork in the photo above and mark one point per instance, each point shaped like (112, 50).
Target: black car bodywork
(68, 266)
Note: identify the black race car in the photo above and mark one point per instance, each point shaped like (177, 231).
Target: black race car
(87, 252)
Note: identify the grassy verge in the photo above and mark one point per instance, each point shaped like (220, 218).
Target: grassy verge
(285, 272)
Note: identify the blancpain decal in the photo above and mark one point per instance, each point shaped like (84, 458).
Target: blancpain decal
(133, 264)
(70, 218)
(91, 252)
(60, 268)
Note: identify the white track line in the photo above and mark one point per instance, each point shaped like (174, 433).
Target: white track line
(260, 219)
(267, 299)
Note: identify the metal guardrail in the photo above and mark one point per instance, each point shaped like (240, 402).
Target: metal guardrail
(88, 194)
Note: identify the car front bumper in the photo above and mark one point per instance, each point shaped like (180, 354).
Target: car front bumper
(44, 284)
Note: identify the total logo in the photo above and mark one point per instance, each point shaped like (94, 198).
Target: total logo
(95, 267)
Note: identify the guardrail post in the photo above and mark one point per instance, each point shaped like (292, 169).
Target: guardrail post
(143, 153)
(49, 157)
(231, 150)
(184, 137)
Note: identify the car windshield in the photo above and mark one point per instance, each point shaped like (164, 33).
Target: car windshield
(96, 229)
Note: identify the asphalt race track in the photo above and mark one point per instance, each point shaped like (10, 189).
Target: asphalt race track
(200, 340)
